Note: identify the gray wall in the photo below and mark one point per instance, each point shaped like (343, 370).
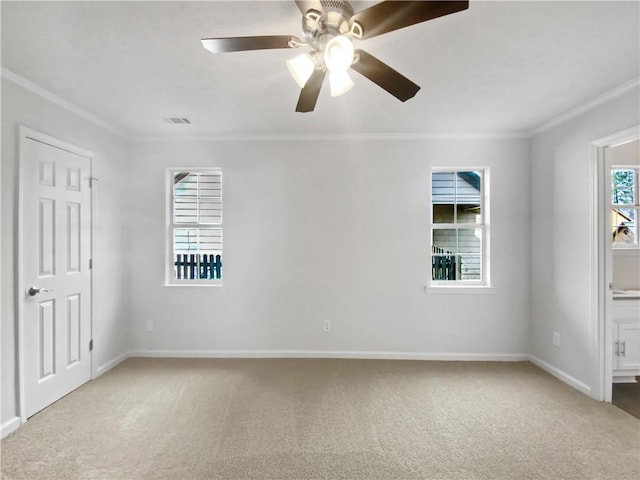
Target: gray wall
(310, 236)
(562, 271)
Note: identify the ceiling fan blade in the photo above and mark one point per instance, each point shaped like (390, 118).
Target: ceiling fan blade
(392, 15)
(306, 5)
(384, 76)
(310, 92)
(238, 44)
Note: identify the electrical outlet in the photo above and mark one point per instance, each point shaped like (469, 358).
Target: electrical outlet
(327, 326)
(149, 325)
(556, 339)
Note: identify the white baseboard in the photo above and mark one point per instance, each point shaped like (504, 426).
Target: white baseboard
(111, 363)
(10, 426)
(560, 375)
(481, 357)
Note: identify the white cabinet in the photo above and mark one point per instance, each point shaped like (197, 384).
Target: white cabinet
(626, 340)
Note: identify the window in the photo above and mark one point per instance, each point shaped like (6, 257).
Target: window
(625, 206)
(458, 226)
(195, 226)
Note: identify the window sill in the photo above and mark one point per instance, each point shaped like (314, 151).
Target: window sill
(461, 289)
(196, 285)
(631, 251)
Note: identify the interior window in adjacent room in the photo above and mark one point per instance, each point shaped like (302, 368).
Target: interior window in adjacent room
(625, 206)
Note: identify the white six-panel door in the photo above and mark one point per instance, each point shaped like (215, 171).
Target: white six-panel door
(56, 251)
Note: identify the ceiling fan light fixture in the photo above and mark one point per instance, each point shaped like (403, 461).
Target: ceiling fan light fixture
(329, 27)
(338, 54)
(340, 83)
(301, 68)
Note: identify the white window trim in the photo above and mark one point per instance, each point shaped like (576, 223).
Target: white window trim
(461, 289)
(633, 251)
(635, 247)
(170, 281)
(483, 285)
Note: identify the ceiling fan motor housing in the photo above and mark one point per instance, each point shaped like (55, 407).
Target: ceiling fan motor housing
(339, 6)
(333, 21)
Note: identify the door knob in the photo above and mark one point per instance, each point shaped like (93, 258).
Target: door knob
(33, 291)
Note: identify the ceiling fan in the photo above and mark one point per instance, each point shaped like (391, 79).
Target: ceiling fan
(329, 28)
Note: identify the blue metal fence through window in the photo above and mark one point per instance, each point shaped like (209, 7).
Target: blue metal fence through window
(198, 266)
(444, 264)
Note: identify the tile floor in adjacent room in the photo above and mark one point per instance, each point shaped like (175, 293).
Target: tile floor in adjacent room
(627, 397)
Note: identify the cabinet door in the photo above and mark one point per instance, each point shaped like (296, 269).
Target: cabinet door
(629, 346)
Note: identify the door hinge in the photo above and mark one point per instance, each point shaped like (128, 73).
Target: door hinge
(91, 345)
(90, 263)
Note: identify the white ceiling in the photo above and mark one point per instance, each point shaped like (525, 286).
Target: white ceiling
(499, 67)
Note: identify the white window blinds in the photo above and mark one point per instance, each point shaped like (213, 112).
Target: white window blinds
(198, 198)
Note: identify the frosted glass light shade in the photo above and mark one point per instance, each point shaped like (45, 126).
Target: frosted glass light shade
(338, 54)
(301, 68)
(340, 83)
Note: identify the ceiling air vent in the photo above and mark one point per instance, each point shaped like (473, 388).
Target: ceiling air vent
(178, 120)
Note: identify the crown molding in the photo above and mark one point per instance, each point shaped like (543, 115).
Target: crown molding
(57, 100)
(305, 137)
(585, 107)
(266, 137)
(291, 137)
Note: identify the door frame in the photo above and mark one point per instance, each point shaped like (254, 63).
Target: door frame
(602, 256)
(27, 134)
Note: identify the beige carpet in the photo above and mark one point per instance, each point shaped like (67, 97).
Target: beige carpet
(293, 418)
